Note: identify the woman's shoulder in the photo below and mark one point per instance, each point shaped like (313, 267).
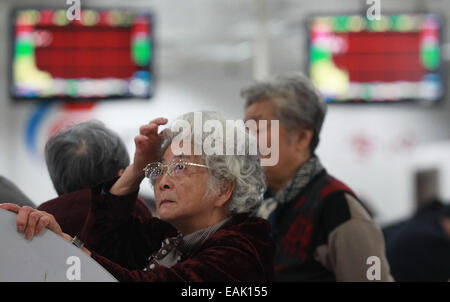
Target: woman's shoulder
(244, 220)
(245, 226)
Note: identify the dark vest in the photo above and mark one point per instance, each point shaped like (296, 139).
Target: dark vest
(298, 232)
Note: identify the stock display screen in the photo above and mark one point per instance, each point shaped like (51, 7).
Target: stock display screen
(104, 54)
(395, 58)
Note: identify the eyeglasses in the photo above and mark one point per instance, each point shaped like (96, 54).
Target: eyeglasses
(174, 168)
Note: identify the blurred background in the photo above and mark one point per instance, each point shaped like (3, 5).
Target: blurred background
(390, 143)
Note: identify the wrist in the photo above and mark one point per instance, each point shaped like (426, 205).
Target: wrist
(129, 182)
(66, 237)
(135, 172)
(78, 243)
(86, 251)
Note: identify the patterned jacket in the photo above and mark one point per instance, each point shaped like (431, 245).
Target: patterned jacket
(325, 234)
(241, 250)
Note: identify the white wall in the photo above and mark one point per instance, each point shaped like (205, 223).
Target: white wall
(368, 147)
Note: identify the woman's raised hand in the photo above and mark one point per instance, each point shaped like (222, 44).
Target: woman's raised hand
(148, 144)
(148, 149)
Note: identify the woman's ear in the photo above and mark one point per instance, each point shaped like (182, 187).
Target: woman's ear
(225, 190)
(304, 137)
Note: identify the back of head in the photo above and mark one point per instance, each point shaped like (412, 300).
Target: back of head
(298, 102)
(83, 156)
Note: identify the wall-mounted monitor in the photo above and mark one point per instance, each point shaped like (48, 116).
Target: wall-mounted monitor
(394, 59)
(105, 54)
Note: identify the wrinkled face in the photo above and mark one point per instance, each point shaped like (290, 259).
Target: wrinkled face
(181, 199)
(266, 110)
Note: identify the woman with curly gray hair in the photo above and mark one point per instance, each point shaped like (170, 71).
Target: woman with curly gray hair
(206, 194)
(244, 171)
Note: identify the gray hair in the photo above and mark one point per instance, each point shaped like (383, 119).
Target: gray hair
(298, 103)
(83, 156)
(244, 170)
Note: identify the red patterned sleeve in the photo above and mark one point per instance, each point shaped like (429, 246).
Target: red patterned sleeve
(113, 231)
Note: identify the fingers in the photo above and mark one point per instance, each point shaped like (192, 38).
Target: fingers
(22, 218)
(32, 222)
(33, 218)
(26, 219)
(10, 207)
(152, 127)
(148, 130)
(159, 121)
(140, 139)
(141, 142)
(43, 222)
(162, 133)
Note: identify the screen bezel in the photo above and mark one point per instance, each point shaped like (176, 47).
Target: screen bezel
(442, 65)
(151, 68)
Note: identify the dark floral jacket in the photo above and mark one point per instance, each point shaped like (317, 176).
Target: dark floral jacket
(241, 250)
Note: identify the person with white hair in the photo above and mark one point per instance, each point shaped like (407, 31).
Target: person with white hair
(207, 230)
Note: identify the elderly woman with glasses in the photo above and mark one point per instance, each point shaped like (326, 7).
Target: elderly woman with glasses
(206, 230)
